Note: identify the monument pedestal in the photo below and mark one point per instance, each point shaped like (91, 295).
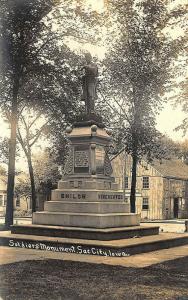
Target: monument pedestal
(87, 204)
(87, 196)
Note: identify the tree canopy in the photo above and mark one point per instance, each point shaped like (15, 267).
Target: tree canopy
(139, 70)
(29, 48)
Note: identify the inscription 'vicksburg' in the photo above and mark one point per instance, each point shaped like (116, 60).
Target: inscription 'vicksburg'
(115, 197)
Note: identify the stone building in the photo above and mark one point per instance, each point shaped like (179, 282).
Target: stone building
(162, 187)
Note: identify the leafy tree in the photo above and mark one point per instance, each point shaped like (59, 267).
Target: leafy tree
(19, 25)
(28, 133)
(23, 189)
(182, 150)
(166, 148)
(4, 145)
(181, 100)
(28, 33)
(46, 171)
(4, 150)
(139, 71)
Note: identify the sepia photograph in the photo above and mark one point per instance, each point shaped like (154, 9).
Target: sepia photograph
(93, 150)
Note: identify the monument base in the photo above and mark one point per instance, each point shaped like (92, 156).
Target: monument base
(112, 248)
(86, 220)
(106, 234)
(87, 197)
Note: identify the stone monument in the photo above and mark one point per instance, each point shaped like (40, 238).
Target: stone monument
(87, 195)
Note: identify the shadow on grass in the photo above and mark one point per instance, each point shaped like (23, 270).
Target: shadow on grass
(66, 280)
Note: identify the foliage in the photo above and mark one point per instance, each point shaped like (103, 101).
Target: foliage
(4, 150)
(23, 187)
(182, 150)
(45, 169)
(27, 49)
(138, 72)
(20, 23)
(3, 171)
(139, 66)
(34, 38)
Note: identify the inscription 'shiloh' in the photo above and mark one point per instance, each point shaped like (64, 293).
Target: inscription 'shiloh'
(73, 196)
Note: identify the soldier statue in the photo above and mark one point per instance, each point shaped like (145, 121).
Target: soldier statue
(89, 83)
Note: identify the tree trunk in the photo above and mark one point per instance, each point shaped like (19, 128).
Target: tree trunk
(133, 184)
(32, 179)
(12, 155)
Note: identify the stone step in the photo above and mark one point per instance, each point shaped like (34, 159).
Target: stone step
(86, 207)
(129, 246)
(89, 220)
(106, 234)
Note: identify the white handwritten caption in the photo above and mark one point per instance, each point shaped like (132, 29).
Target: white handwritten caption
(76, 249)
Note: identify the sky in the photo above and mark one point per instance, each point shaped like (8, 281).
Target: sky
(169, 119)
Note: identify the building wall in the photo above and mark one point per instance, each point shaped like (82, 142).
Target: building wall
(20, 203)
(161, 191)
(3, 195)
(154, 194)
(175, 189)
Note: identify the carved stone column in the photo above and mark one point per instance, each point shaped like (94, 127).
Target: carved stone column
(93, 159)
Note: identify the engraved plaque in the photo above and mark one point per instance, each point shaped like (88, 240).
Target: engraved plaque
(81, 159)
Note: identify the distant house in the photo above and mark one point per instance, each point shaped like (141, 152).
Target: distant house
(3, 195)
(23, 203)
(162, 188)
(20, 203)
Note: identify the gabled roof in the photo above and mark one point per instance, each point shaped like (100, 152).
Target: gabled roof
(174, 167)
(171, 168)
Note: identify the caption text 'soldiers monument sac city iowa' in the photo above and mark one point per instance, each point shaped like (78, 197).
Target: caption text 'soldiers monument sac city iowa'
(88, 203)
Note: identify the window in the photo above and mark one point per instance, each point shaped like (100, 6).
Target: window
(1, 200)
(126, 182)
(5, 200)
(17, 201)
(182, 203)
(145, 182)
(145, 204)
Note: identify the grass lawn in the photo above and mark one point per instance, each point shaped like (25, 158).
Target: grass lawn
(57, 279)
(2, 227)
